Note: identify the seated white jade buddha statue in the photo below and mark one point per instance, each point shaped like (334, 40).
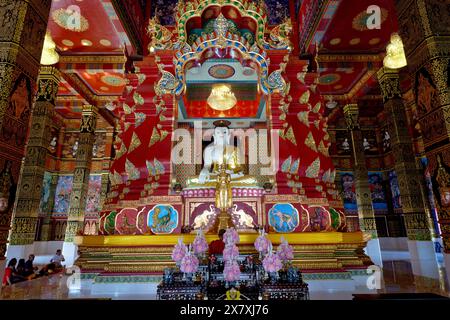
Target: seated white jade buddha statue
(219, 152)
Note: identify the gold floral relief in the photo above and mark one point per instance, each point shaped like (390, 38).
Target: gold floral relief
(314, 169)
(303, 117)
(304, 99)
(310, 142)
(135, 143)
(289, 135)
(156, 137)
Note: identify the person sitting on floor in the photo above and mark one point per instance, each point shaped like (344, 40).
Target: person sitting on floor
(57, 259)
(20, 269)
(47, 270)
(11, 276)
(30, 269)
(217, 246)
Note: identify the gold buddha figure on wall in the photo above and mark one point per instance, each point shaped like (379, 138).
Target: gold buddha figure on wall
(221, 152)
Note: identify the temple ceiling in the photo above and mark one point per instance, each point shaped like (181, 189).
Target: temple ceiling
(92, 52)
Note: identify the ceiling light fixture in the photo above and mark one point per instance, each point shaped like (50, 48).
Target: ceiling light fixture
(221, 97)
(395, 53)
(49, 55)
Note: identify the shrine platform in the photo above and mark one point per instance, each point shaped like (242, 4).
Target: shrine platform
(316, 253)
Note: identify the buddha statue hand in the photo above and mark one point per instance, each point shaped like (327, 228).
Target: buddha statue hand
(235, 175)
(204, 176)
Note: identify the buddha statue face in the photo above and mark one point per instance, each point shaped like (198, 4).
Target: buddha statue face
(222, 136)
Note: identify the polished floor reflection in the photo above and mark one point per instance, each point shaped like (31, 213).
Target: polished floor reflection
(398, 277)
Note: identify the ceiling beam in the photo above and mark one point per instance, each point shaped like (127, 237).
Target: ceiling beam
(99, 101)
(132, 24)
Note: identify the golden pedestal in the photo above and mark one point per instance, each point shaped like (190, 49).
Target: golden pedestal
(315, 252)
(223, 221)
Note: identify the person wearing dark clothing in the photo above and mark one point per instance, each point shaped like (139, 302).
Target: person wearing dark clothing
(48, 269)
(30, 269)
(21, 267)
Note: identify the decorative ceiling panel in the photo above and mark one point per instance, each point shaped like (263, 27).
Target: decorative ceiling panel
(86, 27)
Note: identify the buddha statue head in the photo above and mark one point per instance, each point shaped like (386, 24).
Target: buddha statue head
(222, 134)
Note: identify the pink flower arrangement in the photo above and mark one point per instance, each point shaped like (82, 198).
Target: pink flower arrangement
(262, 243)
(200, 245)
(272, 262)
(285, 251)
(231, 271)
(230, 252)
(179, 251)
(231, 236)
(189, 264)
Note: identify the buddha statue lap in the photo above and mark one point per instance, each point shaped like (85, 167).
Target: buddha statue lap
(221, 152)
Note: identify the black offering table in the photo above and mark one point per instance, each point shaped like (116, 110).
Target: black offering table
(253, 284)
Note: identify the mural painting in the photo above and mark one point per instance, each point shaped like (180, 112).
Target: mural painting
(370, 144)
(163, 219)
(94, 194)
(7, 188)
(283, 217)
(45, 197)
(377, 191)
(62, 196)
(425, 92)
(343, 142)
(396, 200)
(14, 130)
(348, 190)
(70, 144)
(319, 219)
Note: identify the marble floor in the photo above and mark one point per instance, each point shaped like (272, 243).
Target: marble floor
(398, 276)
